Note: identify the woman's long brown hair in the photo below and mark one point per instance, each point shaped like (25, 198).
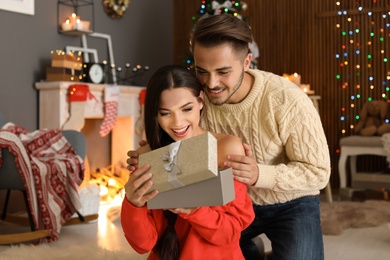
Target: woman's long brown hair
(167, 77)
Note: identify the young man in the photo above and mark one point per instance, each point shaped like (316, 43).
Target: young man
(287, 162)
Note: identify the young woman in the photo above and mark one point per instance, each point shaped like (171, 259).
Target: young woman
(173, 105)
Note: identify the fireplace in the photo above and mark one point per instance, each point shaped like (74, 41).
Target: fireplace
(54, 112)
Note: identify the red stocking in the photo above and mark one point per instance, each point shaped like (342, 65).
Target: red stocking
(111, 97)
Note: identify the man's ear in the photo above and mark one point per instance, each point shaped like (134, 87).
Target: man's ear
(201, 99)
(247, 61)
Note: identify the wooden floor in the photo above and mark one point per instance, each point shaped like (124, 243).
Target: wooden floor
(367, 243)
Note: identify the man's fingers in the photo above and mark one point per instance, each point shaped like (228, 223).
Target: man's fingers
(142, 143)
(242, 159)
(132, 154)
(248, 149)
(244, 180)
(132, 161)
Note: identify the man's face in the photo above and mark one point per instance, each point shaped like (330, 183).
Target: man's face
(221, 72)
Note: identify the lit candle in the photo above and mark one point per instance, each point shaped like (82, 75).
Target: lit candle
(73, 20)
(66, 26)
(306, 88)
(296, 79)
(79, 25)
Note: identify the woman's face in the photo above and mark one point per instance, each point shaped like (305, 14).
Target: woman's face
(179, 113)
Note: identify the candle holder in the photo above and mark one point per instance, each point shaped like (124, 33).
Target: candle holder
(75, 17)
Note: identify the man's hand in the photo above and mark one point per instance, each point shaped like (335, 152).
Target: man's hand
(132, 161)
(244, 167)
(138, 184)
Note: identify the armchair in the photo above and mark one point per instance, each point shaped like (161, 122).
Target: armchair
(11, 179)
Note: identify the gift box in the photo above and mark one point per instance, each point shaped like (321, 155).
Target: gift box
(62, 74)
(61, 60)
(215, 191)
(182, 163)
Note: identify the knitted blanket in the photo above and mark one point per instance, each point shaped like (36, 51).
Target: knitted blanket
(51, 171)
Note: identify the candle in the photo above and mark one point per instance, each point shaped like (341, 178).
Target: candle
(66, 26)
(79, 25)
(85, 25)
(306, 88)
(73, 20)
(295, 78)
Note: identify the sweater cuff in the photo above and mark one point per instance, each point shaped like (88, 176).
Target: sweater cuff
(267, 176)
(135, 211)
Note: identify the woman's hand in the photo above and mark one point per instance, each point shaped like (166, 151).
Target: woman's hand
(138, 184)
(182, 210)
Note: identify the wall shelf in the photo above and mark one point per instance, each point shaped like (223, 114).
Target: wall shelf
(75, 32)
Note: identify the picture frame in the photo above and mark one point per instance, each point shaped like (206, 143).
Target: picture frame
(111, 61)
(18, 6)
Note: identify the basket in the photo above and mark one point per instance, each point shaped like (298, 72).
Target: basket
(90, 200)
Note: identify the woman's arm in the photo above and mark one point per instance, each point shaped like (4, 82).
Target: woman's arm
(139, 227)
(221, 225)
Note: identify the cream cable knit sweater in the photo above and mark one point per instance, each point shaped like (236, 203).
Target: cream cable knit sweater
(284, 129)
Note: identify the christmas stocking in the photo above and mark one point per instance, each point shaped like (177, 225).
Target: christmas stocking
(77, 95)
(111, 98)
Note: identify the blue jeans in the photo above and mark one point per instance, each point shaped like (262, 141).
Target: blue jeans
(294, 229)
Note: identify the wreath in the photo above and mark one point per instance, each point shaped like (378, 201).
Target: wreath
(116, 8)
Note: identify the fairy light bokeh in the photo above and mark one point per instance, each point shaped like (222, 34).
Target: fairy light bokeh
(363, 73)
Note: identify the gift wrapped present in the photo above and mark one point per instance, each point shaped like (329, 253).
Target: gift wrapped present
(62, 74)
(182, 163)
(63, 60)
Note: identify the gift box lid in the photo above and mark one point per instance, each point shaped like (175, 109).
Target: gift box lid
(183, 162)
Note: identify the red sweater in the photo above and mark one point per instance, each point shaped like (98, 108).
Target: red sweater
(206, 233)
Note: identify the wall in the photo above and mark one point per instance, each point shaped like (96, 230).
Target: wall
(26, 42)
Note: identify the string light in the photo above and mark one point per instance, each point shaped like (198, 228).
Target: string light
(361, 54)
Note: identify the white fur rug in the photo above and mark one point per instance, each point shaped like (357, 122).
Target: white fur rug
(89, 250)
(335, 218)
(341, 215)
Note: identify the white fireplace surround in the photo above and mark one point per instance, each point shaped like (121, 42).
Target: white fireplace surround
(54, 111)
